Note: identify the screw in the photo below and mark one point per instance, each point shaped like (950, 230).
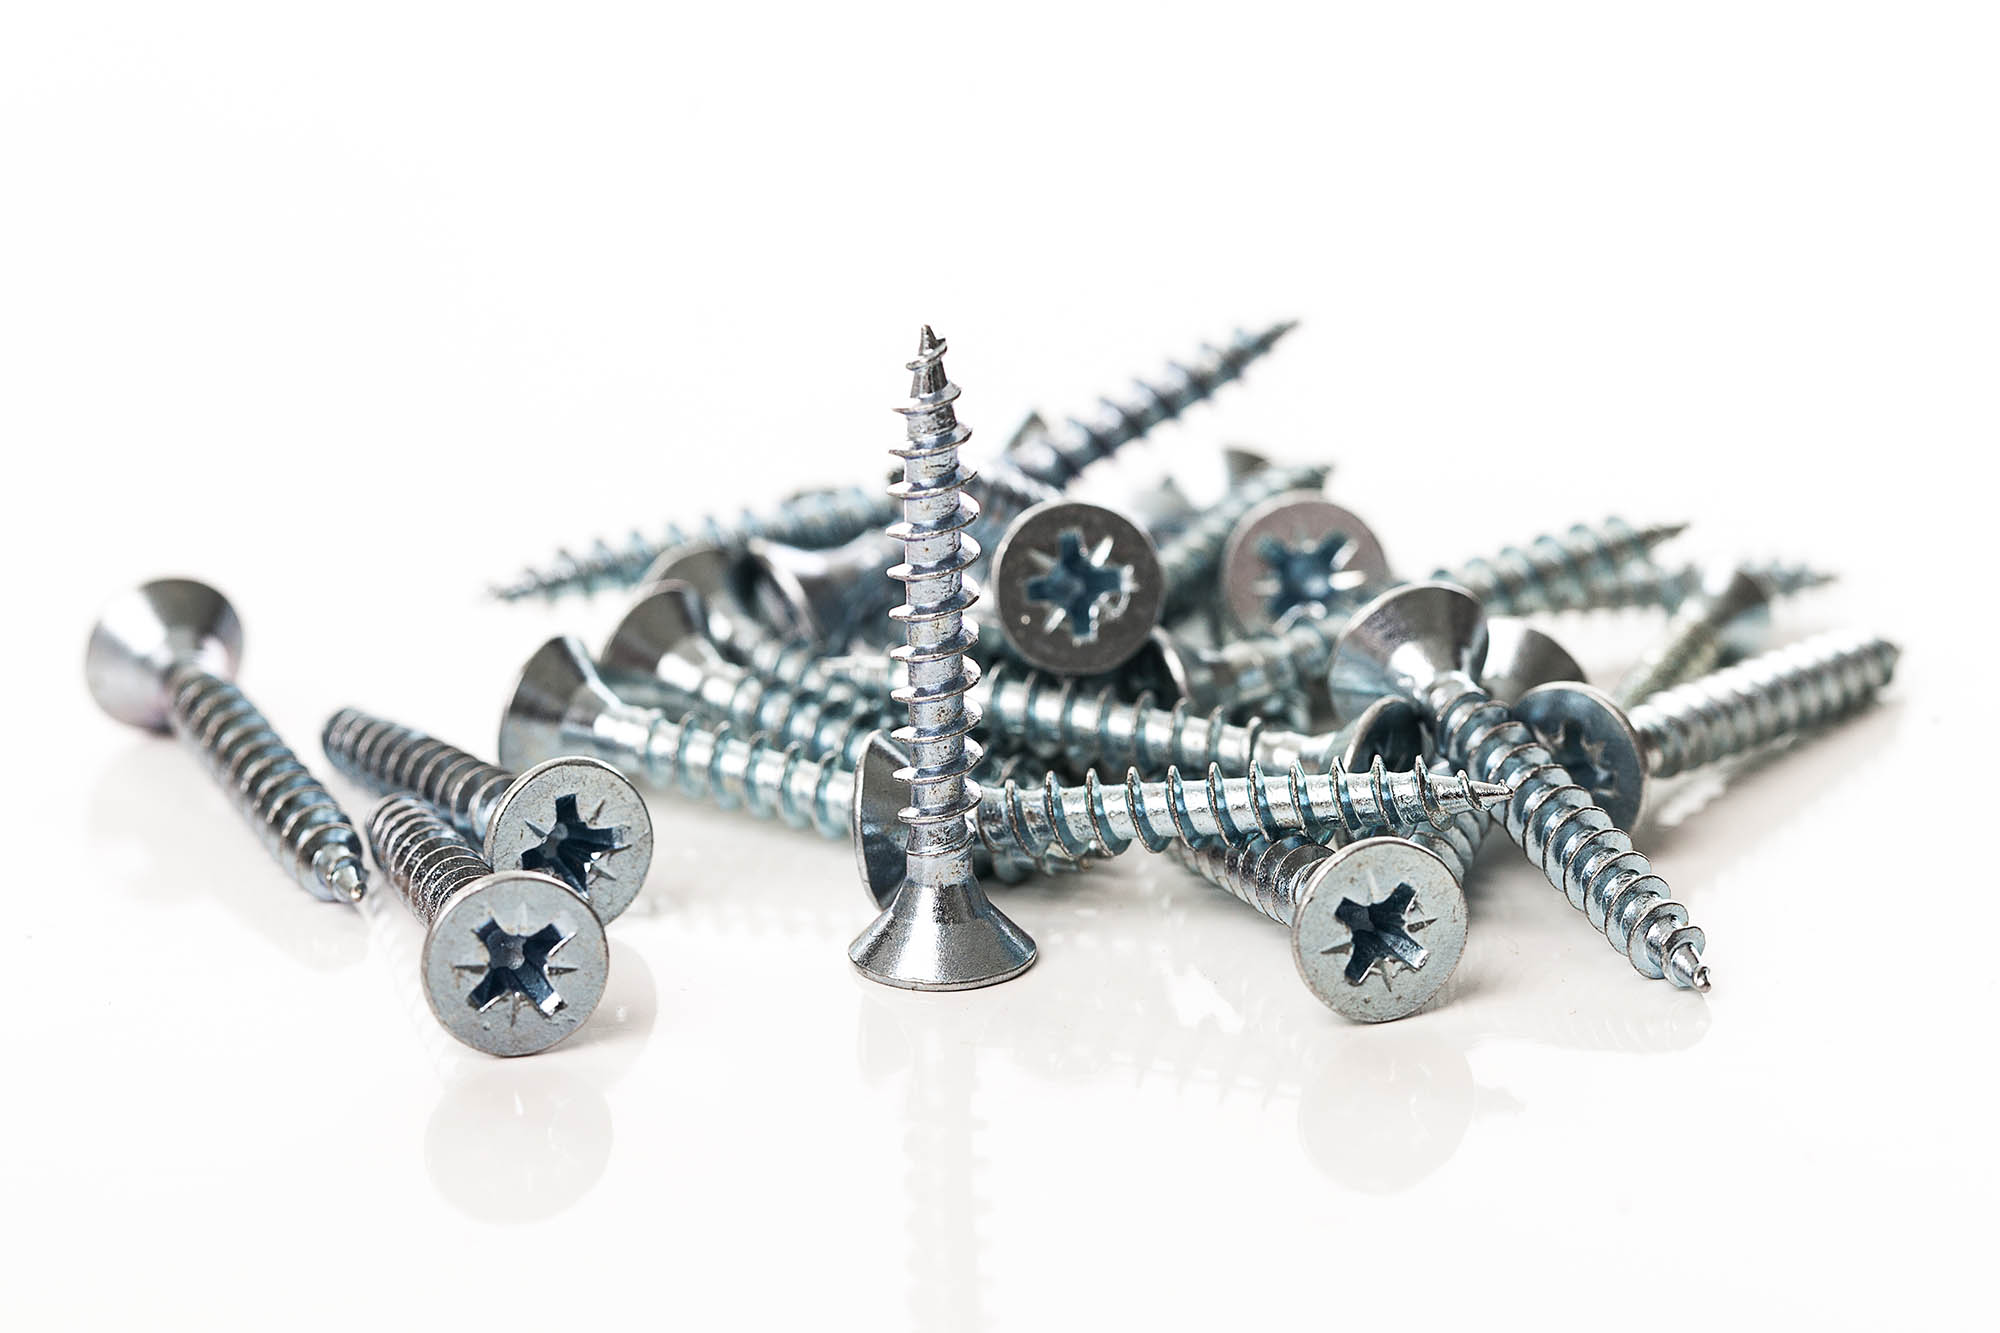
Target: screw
(1189, 561)
(1078, 587)
(563, 705)
(162, 657)
(1378, 926)
(1616, 753)
(1058, 456)
(575, 818)
(1296, 552)
(811, 519)
(1581, 570)
(514, 961)
(1425, 644)
(941, 932)
(1725, 617)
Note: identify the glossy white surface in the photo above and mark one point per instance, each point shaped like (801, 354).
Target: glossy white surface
(352, 315)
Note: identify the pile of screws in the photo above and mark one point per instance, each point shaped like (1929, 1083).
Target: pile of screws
(1280, 712)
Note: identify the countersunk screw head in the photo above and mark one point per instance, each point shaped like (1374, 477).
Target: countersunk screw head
(514, 963)
(880, 838)
(550, 682)
(1379, 929)
(1520, 657)
(1594, 741)
(1078, 587)
(580, 821)
(1296, 550)
(143, 634)
(1402, 641)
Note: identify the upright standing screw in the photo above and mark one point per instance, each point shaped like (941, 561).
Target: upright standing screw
(1727, 617)
(162, 657)
(941, 932)
(575, 818)
(1616, 754)
(1378, 926)
(811, 519)
(1425, 643)
(515, 960)
(1580, 570)
(1058, 456)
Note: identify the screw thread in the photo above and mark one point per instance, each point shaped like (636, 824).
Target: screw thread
(1283, 664)
(1058, 455)
(800, 666)
(819, 725)
(1189, 561)
(1270, 874)
(936, 553)
(388, 758)
(1092, 817)
(1579, 570)
(1707, 623)
(814, 520)
(1563, 830)
(296, 818)
(1775, 694)
(1457, 844)
(424, 856)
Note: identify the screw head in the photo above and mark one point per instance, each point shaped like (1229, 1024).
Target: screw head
(1077, 587)
(143, 634)
(1402, 641)
(1591, 737)
(1297, 550)
(1379, 930)
(662, 641)
(514, 963)
(880, 836)
(1390, 730)
(1520, 657)
(532, 729)
(580, 821)
(941, 937)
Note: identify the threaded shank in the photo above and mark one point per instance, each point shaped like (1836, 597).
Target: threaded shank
(1189, 561)
(425, 857)
(1562, 830)
(1771, 695)
(1058, 456)
(814, 520)
(1579, 570)
(388, 758)
(1269, 874)
(296, 818)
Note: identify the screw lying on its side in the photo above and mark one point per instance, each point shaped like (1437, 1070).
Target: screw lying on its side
(941, 932)
(161, 657)
(1711, 718)
(1723, 617)
(1076, 587)
(575, 818)
(1378, 926)
(1298, 554)
(1425, 643)
(514, 960)
(1583, 569)
(1190, 560)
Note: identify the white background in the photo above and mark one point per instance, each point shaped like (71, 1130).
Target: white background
(354, 309)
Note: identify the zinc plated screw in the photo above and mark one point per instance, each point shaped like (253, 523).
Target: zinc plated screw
(1190, 560)
(575, 818)
(514, 960)
(1580, 570)
(1076, 587)
(941, 932)
(1378, 925)
(811, 519)
(1298, 554)
(1425, 644)
(1057, 456)
(162, 657)
(1726, 617)
(1616, 753)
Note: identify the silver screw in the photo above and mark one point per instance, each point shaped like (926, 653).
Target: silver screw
(1580, 570)
(1616, 753)
(514, 961)
(575, 818)
(1058, 456)
(812, 519)
(941, 932)
(162, 657)
(1190, 560)
(1076, 587)
(1298, 554)
(1425, 644)
(1378, 926)
(1725, 618)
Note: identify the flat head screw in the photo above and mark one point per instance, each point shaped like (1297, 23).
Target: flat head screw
(1078, 587)
(1191, 560)
(1298, 553)
(573, 817)
(1618, 753)
(1378, 926)
(1589, 567)
(1725, 617)
(163, 657)
(514, 961)
(1426, 643)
